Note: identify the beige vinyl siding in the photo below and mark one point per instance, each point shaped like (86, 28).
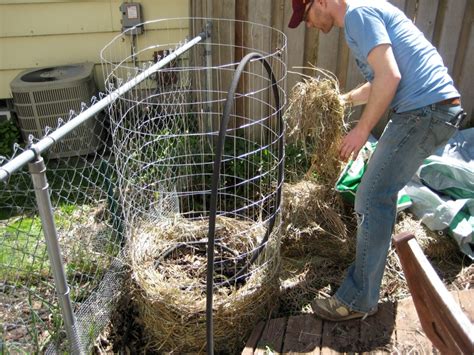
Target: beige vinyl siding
(50, 33)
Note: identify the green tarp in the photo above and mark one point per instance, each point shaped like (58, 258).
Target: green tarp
(441, 194)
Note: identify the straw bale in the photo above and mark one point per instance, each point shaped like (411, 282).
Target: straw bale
(170, 292)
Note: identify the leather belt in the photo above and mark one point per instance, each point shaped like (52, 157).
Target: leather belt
(459, 117)
(455, 101)
(452, 101)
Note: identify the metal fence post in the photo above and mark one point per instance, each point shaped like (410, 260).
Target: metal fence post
(37, 169)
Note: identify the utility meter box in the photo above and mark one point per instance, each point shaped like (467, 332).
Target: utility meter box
(131, 17)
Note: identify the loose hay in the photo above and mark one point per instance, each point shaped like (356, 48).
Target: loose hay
(314, 222)
(307, 274)
(170, 291)
(317, 243)
(312, 212)
(440, 249)
(315, 118)
(435, 245)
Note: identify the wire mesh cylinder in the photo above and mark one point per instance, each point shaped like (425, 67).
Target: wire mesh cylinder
(165, 134)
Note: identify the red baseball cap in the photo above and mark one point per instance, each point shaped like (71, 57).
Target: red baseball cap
(298, 12)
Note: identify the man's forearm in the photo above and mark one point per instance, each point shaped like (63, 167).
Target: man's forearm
(358, 96)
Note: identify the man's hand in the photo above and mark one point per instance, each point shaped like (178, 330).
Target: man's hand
(346, 99)
(358, 96)
(353, 142)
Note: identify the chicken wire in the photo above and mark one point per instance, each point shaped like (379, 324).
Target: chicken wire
(154, 162)
(166, 140)
(165, 130)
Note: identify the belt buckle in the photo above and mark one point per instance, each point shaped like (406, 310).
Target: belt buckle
(457, 120)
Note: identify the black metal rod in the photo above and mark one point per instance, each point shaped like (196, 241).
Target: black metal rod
(215, 182)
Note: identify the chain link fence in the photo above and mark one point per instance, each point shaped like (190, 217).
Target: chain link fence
(87, 221)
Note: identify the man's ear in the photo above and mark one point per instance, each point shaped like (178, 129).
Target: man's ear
(322, 3)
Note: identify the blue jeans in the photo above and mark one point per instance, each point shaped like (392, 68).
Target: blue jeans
(407, 140)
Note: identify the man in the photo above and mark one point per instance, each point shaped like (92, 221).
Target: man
(405, 74)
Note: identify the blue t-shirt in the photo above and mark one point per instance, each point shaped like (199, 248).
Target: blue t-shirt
(425, 79)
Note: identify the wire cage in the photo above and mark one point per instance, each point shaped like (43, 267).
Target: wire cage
(199, 154)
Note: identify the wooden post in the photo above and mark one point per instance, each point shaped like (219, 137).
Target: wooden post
(441, 317)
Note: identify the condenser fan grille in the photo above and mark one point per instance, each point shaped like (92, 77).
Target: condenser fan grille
(51, 74)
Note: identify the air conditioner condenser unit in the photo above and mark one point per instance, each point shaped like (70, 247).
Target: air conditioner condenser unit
(42, 95)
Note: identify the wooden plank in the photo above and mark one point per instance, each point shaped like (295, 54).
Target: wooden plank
(410, 9)
(253, 339)
(205, 8)
(439, 22)
(223, 52)
(377, 333)
(466, 301)
(399, 3)
(295, 47)
(272, 336)
(354, 76)
(440, 316)
(394, 329)
(343, 53)
(278, 39)
(338, 337)
(16, 2)
(426, 17)
(6, 77)
(303, 335)
(463, 41)
(311, 42)
(278, 18)
(29, 52)
(410, 337)
(243, 41)
(466, 73)
(354, 79)
(153, 9)
(450, 32)
(260, 39)
(328, 50)
(278, 15)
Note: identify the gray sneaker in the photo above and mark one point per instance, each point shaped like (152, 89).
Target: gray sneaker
(332, 309)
